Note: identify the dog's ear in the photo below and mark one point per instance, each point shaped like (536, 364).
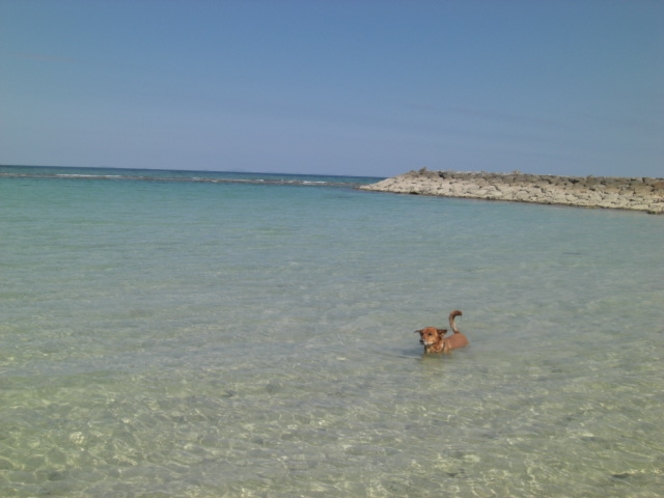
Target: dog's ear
(418, 332)
(441, 332)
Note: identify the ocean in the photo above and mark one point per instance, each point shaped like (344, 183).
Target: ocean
(203, 334)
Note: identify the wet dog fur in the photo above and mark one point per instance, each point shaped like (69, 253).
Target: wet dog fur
(434, 340)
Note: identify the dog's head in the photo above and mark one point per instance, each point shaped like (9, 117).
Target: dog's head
(430, 336)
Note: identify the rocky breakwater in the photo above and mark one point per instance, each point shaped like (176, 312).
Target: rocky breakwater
(639, 194)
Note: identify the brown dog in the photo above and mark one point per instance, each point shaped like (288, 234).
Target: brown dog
(434, 341)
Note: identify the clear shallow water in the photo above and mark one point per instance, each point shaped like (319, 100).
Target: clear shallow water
(179, 338)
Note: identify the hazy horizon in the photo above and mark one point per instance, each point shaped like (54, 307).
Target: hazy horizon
(340, 88)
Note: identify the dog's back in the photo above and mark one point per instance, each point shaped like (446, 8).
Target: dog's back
(457, 339)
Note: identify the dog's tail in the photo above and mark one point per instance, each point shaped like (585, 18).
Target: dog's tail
(453, 315)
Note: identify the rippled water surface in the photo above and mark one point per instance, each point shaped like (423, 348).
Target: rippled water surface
(184, 338)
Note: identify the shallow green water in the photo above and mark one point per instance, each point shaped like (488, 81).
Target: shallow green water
(176, 338)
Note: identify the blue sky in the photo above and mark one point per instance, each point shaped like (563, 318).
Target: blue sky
(335, 87)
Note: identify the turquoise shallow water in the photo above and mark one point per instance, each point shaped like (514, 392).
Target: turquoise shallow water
(168, 337)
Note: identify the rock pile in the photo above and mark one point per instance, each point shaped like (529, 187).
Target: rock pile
(640, 194)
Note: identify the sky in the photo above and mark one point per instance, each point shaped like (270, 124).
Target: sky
(347, 87)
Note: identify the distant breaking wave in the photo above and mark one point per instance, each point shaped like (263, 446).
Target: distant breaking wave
(184, 176)
(267, 181)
